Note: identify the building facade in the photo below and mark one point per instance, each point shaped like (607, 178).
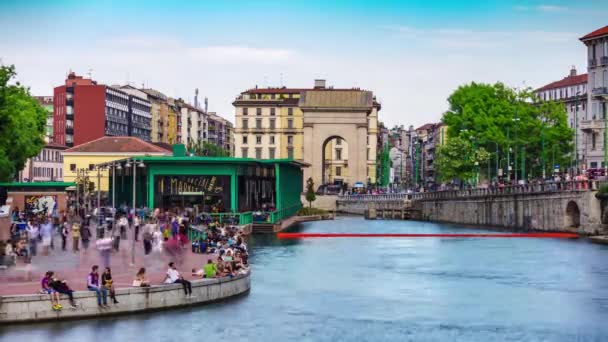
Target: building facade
(307, 124)
(597, 84)
(571, 91)
(47, 166)
(84, 111)
(83, 158)
(426, 140)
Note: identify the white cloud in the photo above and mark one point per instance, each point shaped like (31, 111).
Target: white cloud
(551, 8)
(239, 54)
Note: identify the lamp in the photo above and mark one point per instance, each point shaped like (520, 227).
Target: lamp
(141, 164)
(119, 167)
(128, 164)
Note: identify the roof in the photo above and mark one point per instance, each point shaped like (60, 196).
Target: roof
(166, 146)
(565, 82)
(215, 160)
(284, 90)
(118, 145)
(37, 184)
(55, 146)
(337, 99)
(425, 126)
(597, 33)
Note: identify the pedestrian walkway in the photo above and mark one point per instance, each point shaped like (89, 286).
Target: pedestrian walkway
(74, 267)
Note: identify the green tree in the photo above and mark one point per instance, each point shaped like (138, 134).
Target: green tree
(22, 125)
(310, 191)
(495, 116)
(207, 149)
(457, 159)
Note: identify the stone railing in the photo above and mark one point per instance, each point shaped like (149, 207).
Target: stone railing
(36, 308)
(509, 190)
(375, 198)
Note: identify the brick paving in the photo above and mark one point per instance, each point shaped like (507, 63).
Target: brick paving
(74, 267)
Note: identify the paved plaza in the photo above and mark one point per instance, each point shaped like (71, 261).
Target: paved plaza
(74, 267)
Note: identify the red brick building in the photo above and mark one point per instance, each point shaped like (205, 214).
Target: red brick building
(84, 110)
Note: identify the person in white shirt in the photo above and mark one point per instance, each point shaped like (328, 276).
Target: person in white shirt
(33, 233)
(174, 277)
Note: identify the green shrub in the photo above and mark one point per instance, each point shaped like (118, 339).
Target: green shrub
(603, 189)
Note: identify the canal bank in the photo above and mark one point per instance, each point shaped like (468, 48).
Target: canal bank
(37, 308)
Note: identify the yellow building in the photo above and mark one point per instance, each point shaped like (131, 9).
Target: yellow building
(270, 123)
(173, 124)
(83, 158)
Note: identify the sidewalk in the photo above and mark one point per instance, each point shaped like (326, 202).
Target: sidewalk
(74, 267)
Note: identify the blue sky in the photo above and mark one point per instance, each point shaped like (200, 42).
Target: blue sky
(412, 54)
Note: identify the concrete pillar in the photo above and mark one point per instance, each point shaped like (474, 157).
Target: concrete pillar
(361, 153)
(308, 153)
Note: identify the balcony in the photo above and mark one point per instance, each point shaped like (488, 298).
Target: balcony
(592, 62)
(590, 125)
(69, 101)
(601, 91)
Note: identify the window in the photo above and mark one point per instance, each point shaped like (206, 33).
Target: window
(338, 141)
(258, 139)
(245, 124)
(368, 153)
(272, 96)
(338, 171)
(338, 154)
(584, 105)
(367, 140)
(244, 152)
(272, 111)
(272, 140)
(272, 123)
(258, 111)
(605, 78)
(594, 165)
(271, 153)
(73, 167)
(258, 123)
(290, 123)
(289, 111)
(290, 153)
(258, 153)
(592, 79)
(593, 138)
(245, 111)
(245, 139)
(290, 139)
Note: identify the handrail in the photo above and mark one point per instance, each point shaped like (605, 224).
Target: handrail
(372, 198)
(570, 186)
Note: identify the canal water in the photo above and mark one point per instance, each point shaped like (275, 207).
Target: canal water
(381, 289)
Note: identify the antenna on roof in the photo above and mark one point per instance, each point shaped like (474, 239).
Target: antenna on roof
(90, 73)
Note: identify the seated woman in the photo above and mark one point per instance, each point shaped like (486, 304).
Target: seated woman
(108, 283)
(46, 288)
(140, 278)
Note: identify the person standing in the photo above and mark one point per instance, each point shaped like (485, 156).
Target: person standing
(93, 285)
(46, 231)
(75, 236)
(85, 235)
(136, 223)
(33, 234)
(104, 246)
(147, 237)
(65, 231)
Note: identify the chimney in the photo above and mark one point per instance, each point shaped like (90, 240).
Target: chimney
(573, 71)
(319, 84)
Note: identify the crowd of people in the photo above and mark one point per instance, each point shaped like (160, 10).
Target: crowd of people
(161, 232)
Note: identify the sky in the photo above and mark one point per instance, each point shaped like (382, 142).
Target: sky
(411, 54)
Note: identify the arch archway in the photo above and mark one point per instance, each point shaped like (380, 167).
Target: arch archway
(573, 215)
(334, 160)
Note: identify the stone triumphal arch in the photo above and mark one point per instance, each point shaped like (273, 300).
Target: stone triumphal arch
(350, 115)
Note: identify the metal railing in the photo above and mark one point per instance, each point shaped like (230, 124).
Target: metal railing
(373, 198)
(571, 186)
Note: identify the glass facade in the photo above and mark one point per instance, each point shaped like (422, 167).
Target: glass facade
(205, 193)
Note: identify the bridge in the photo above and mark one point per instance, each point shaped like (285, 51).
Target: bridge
(573, 206)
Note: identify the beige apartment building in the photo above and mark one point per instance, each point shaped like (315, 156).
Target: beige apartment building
(334, 130)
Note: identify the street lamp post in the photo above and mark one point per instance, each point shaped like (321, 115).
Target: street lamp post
(134, 206)
(516, 120)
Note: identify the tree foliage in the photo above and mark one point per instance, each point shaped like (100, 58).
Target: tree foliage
(493, 116)
(207, 149)
(310, 191)
(22, 125)
(457, 159)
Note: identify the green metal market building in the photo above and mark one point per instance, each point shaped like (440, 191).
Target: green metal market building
(218, 184)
